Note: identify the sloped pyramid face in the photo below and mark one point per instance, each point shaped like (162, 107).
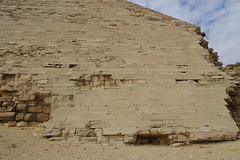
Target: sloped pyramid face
(109, 71)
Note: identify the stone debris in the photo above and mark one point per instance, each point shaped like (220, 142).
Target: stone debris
(233, 100)
(111, 72)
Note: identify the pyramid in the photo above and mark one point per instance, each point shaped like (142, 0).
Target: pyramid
(109, 72)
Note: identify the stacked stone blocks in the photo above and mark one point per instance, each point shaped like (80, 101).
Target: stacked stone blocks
(18, 103)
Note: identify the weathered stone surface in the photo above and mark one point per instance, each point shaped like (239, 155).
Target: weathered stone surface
(84, 132)
(91, 140)
(178, 144)
(3, 109)
(29, 117)
(7, 116)
(233, 91)
(7, 104)
(22, 124)
(42, 117)
(55, 132)
(35, 109)
(21, 107)
(130, 139)
(11, 109)
(20, 117)
(113, 72)
(10, 123)
(46, 109)
(6, 99)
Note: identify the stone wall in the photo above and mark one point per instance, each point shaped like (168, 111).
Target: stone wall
(233, 100)
(109, 72)
(20, 104)
(234, 91)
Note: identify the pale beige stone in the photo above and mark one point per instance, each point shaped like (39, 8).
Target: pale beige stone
(124, 70)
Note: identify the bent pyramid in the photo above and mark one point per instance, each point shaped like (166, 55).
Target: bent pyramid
(109, 72)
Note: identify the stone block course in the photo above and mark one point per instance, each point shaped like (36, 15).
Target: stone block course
(6, 99)
(42, 117)
(7, 116)
(20, 117)
(35, 109)
(21, 107)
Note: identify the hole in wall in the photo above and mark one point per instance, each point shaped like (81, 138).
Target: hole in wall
(153, 140)
(72, 65)
(187, 81)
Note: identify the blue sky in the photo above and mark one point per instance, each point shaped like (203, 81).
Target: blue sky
(219, 19)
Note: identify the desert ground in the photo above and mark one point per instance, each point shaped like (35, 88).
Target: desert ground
(15, 145)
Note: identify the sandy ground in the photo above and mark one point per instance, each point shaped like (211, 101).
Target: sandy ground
(27, 144)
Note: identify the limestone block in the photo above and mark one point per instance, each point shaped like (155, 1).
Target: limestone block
(130, 139)
(11, 123)
(25, 77)
(32, 124)
(42, 82)
(182, 138)
(98, 132)
(46, 109)
(3, 109)
(97, 124)
(45, 93)
(21, 107)
(7, 104)
(180, 130)
(115, 139)
(20, 117)
(27, 98)
(199, 136)
(11, 109)
(205, 129)
(8, 88)
(35, 109)
(178, 144)
(143, 133)
(102, 140)
(22, 124)
(55, 132)
(230, 137)
(29, 117)
(111, 131)
(71, 133)
(152, 18)
(57, 139)
(7, 116)
(166, 130)
(172, 137)
(84, 132)
(42, 117)
(47, 100)
(32, 103)
(6, 99)
(89, 140)
(74, 139)
(154, 131)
